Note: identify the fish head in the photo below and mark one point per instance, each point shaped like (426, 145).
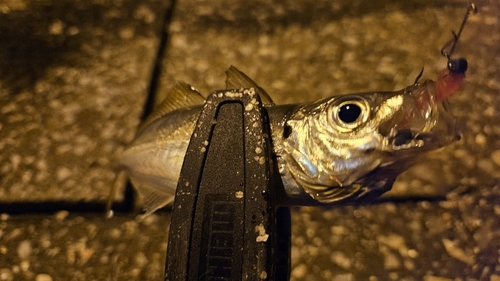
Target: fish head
(354, 146)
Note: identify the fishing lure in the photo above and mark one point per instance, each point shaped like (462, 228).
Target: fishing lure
(337, 150)
(451, 78)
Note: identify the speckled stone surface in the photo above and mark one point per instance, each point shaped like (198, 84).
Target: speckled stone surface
(82, 247)
(73, 80)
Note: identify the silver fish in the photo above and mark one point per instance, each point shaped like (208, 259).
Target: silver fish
(334, 150)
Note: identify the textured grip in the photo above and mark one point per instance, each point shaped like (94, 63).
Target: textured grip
(225, 224)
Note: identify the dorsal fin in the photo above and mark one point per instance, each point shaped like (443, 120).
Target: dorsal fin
(236, 79)
(180, 96)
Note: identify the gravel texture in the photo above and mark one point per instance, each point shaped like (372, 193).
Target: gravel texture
(74, 79)
(68, 246)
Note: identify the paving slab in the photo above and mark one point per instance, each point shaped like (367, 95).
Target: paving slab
(72, 246)
(57, 144)
(73, 78)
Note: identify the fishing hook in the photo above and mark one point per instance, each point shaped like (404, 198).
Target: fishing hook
(453, 42)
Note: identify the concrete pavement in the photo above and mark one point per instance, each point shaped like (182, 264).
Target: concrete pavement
(74, 78)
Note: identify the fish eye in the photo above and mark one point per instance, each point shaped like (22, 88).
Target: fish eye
(349, 113)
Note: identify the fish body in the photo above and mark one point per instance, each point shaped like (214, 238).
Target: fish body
(331, 151)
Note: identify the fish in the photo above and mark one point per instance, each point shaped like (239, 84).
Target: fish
(337, 150)
(328, 151)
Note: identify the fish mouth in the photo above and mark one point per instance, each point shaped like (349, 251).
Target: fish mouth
(421, 124)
